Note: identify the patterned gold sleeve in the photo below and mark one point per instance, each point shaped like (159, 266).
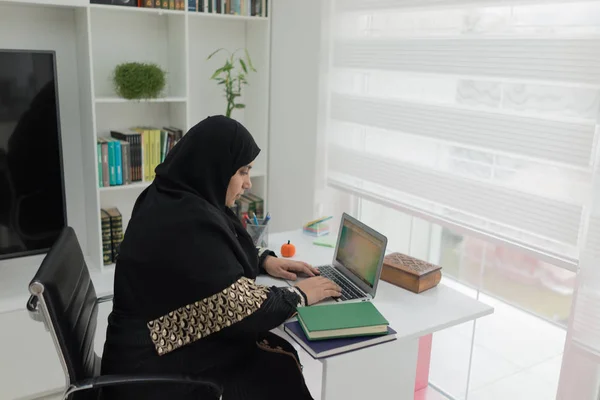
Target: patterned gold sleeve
(207, 316)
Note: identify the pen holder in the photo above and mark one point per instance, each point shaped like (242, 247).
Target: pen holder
(259, 233)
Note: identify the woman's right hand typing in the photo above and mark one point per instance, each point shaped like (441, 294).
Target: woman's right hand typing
(318, 288)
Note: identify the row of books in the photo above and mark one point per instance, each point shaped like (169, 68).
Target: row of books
(112, 234)
(132, 155)
(249, 8)
(234, 7)
(249, 205)
(164, 4)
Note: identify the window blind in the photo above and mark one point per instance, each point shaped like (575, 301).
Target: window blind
(480, 114)
(580, 372)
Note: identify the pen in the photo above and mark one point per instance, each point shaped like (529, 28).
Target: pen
(267, 218)
(255, 220)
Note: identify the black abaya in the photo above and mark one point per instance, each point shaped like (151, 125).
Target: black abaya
(185, 299)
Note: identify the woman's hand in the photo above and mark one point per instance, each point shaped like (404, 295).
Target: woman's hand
(287, 269)
(318, 288)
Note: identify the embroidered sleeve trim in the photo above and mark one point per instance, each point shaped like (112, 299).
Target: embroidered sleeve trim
(207, 316)
(301, 302)
(261, 251)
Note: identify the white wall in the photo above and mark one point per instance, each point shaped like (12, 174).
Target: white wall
(295, 40)
(48, 28)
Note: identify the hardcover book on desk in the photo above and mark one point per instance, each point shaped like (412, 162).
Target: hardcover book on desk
(331, 347)
(332, 321)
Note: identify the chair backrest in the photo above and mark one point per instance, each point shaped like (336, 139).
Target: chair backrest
(68, 302)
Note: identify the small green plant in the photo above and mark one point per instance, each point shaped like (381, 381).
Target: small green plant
(232, 76)
(134, 80)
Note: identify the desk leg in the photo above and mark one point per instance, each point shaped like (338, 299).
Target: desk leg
(423, 362)
(382, 372)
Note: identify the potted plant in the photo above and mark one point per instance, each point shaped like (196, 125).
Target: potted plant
(232, 75)
(135, 80)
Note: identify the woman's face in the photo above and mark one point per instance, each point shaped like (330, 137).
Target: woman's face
(238, 183)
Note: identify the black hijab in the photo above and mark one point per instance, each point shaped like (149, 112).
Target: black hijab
(182, 243)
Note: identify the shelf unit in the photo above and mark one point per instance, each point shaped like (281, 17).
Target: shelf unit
(179, 42)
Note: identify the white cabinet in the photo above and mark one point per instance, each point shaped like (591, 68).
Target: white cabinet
(29, 363)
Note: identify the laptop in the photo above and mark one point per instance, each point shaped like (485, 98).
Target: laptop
(357, 261)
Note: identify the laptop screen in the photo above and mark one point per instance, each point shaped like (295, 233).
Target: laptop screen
(359, 252)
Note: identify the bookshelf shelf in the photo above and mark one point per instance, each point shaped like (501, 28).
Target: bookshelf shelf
(141, 10)
(160, 11)
(231, 17)
(92, 40)
(131, 186)
(119, 100)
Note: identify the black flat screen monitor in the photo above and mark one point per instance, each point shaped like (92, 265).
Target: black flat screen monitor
(32, 195)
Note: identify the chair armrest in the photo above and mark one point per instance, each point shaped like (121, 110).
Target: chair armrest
(115, 380)
(34, 311)
(104, 299)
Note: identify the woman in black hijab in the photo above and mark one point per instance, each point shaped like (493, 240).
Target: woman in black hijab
(185, 299)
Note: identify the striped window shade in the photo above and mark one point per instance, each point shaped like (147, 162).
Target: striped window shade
(580, 372)
(482, 115)
(475, 114)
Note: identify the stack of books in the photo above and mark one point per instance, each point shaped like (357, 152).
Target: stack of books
(112, 234)
(248, 206)
(327, 330)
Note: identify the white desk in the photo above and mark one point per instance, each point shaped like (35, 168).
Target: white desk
(385, 371)
(391, 367)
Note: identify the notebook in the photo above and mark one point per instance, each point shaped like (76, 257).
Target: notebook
(341, 320)
(327, 348)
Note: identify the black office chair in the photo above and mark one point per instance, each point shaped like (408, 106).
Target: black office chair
(63, 297)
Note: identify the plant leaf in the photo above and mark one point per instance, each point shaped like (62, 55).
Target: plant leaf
(249, 60)
(216, 73)
(240, 106)
(213, 53)
(243, 64)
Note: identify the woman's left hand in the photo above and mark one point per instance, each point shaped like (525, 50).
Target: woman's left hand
(287, 269)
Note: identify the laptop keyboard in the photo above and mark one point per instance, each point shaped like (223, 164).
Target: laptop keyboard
(348, 291)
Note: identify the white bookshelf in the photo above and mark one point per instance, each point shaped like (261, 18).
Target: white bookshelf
(179, 42)
(120, 100)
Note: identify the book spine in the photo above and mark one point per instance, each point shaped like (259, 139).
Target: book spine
(118, 163)
(112, 163)
(138, 158)
(116, 230)
(126, 162)
(157, 134)
(99, 155)
(144, 143)
(162, 145)
(105, 168)
(106, 239)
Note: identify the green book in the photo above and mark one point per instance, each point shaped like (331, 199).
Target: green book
(342, 320)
